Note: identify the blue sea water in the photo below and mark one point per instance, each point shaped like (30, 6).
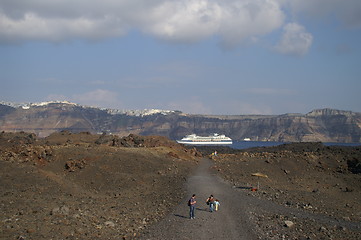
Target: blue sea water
(251, 144)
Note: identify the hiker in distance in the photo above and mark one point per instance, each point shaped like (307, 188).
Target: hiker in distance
(210, 202)
(216, 204)
(192, 205)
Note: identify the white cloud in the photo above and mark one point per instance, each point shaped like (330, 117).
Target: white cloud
(246, 20)
(185, 21)
(34, 27)
(295, 40)
(179, 21)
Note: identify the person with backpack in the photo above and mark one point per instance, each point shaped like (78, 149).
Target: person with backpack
(192, 205)
(210, 202)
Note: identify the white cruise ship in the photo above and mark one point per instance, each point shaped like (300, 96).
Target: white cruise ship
(214, 139)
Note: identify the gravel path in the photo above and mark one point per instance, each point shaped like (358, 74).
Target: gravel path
(229, 222)
(236, 216)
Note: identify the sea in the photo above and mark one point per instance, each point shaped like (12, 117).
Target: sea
(251, 144)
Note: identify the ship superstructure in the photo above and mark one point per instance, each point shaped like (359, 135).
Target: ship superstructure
(215, 139)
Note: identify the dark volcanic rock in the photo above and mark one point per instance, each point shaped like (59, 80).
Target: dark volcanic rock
(354, 165)
(68, 187)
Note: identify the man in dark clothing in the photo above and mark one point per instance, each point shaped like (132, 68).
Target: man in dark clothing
(210, 202)
(192, 205)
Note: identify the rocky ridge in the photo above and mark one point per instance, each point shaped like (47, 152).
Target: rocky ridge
(325, 125)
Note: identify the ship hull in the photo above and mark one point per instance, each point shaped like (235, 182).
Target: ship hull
(203, 143)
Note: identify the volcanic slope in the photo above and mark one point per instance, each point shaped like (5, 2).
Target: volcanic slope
(320, 184)
(83, 186)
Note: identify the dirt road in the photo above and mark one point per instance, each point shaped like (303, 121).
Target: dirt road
(229, 222)
(243, 216)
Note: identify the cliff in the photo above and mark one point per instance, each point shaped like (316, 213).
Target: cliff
(326, 125)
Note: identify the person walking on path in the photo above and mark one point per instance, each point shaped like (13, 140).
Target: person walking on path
(210, 202)
(192, 205)
(216, 204)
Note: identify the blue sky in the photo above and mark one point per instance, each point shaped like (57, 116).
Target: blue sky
(196, 56)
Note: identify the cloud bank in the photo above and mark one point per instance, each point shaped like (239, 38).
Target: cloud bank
(295, 40)
(232, 21)
(178, 21)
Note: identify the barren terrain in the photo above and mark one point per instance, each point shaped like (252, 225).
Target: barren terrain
(84, 186)
(69, 187)
(320, 184)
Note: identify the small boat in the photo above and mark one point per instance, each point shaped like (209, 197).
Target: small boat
(246, 139)
(214, 139)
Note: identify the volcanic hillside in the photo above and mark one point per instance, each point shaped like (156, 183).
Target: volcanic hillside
(84, 186)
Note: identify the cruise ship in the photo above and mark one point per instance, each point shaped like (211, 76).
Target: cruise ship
(214, 139)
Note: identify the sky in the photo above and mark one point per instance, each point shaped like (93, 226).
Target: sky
(231, 57)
